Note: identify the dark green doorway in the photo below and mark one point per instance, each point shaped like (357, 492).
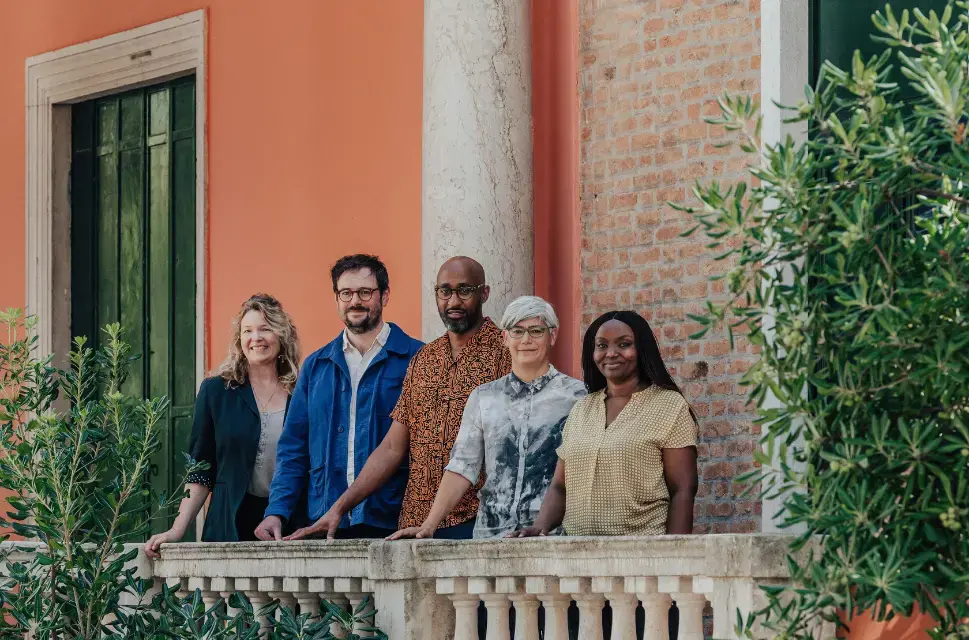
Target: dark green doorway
(133, 238)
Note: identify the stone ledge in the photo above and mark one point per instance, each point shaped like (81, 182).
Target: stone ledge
(715, 556)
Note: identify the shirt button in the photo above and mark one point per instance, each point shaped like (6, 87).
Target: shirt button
(340, 430)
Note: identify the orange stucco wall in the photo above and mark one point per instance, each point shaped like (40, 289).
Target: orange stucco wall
(314, 144)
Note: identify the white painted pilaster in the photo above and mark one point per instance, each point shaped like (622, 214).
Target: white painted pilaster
(785, 70)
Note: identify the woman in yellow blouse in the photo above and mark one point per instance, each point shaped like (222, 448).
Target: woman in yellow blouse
(627, 464)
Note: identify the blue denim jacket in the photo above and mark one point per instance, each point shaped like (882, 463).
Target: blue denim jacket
(313, 446)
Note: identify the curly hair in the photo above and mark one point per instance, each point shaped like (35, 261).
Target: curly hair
(235, 368)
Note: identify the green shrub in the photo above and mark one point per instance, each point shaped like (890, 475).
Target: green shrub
(80, 493)
(850, 265)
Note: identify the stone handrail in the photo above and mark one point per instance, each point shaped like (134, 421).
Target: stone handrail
(431, 590)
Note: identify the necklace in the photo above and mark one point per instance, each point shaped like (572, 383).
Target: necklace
(263, 408)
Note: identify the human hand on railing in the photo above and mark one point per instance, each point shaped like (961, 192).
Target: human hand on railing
(419, 533)
(270, 529)
(528, 532)
(153, 546)
(327, 525)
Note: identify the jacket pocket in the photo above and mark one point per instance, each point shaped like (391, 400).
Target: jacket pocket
(318, 479)
(388, 392)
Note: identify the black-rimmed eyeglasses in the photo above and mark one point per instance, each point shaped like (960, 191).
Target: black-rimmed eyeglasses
(464, 292)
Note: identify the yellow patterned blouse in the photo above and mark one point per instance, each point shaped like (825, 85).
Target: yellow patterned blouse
(614, 483)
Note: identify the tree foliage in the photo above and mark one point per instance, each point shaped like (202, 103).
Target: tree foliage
(850, 269)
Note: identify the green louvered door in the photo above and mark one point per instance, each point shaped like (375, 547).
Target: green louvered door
(133, 245)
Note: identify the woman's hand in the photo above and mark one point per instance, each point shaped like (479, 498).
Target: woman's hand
(528, 532)
(154, 543)
(421, 532)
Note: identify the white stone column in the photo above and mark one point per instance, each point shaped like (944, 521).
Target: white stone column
(477, 147)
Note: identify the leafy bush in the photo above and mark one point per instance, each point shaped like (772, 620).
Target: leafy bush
(850, 266)
(190, 619)
(78, 478)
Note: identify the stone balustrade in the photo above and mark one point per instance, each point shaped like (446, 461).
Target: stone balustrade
(431, 590)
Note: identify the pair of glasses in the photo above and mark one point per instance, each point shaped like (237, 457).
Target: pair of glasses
(346, 295)
(464, 292)
(535, 332)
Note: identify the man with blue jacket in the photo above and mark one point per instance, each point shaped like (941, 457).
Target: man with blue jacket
(340, 410)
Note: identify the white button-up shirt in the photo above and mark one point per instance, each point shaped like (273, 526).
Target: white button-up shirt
(357, 363)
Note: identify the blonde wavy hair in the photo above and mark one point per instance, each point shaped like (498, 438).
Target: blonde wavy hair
(235, 368)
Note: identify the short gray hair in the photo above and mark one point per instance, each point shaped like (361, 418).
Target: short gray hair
(527, 307)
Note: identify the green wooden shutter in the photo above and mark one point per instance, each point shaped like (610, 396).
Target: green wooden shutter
(133, 246)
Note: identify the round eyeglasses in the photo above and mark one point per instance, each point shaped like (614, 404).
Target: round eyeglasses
(464, 292)
(346, 295)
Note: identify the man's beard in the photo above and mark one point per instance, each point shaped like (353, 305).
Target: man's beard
(370, 322)
(463, 324)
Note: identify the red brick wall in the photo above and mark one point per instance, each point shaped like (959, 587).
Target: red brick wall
(649, 72)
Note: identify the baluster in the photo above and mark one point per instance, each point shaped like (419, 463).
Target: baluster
(465, 607)
(526, 607)
(209, 597)
(356, 594)
(496, 604)
(526, 616)
(690, 603)
(324, 589)
(225, 587)
(656, 604)
(273, 587)
(556, 606)
(589, 603)
(179, 586)
(623, 606)
(308, 601)
(258, 600)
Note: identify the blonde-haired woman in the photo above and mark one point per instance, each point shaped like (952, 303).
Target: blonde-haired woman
(239, 415)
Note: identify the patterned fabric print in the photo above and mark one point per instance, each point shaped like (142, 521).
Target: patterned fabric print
(614, 483)
(431, 404)
(511, 429)
(200, 478)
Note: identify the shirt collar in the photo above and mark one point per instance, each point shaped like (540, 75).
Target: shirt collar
(484, 340)
(519, 386)
(381, 339)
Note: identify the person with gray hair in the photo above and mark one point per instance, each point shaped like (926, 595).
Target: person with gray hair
(510, 430)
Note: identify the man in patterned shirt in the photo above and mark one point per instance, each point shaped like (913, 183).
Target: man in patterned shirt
(428, 415)
(510, 430)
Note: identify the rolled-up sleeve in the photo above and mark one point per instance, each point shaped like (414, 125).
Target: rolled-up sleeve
(467, 456)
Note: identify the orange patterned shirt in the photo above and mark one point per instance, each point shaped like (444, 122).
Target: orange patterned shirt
(431, 404)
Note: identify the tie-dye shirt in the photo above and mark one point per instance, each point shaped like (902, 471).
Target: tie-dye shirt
(510, 431)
